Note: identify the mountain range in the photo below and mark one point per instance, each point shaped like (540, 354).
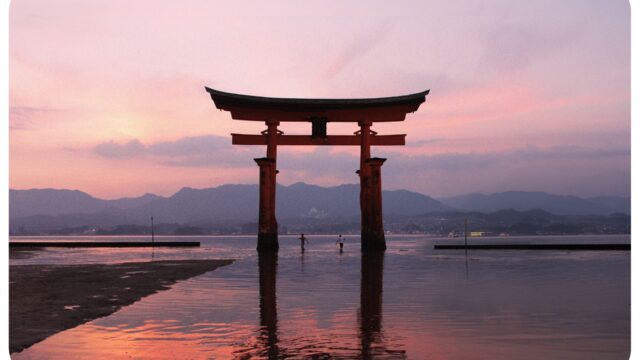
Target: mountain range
(527, 200)
(236, 204)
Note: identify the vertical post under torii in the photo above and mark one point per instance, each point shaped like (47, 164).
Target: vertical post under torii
(363, 172)
(267, 223)
(376, 240)
(372, 232)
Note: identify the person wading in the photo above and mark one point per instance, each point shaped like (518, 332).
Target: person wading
(340, 242)
(303, 240)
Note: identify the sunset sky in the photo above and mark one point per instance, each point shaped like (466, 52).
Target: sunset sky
(108, 97)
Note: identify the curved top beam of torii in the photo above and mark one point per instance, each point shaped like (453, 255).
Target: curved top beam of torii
(259, 108)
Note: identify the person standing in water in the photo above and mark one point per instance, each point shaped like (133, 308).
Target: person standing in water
(302, 241)
(340, 242)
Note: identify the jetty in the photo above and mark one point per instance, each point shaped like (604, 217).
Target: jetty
(101, 244)
(583, 247)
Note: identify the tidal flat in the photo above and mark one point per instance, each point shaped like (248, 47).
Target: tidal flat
(47, 299)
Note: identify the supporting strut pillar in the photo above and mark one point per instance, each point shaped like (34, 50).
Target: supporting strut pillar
(372, 231)
(375, 239)
(267, 224)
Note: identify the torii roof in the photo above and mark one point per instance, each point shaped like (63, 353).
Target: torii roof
(260, 108)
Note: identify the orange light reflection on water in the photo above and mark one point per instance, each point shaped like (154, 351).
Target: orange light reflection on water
(409, 304)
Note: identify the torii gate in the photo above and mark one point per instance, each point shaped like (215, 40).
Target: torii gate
(319, 112)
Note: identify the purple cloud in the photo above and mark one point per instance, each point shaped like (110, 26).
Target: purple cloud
(114, 150)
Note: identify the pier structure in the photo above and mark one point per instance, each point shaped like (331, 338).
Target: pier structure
(319, 112)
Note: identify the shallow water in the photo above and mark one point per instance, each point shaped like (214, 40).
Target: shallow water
(412, 302)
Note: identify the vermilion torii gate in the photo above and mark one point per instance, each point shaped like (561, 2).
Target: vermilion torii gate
(319, 112)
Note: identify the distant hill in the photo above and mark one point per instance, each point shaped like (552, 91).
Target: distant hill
(49, 208)
(555, 204)
(299, 204)
(51, 202)
(616, 203)
(512, 222)
(57, 202)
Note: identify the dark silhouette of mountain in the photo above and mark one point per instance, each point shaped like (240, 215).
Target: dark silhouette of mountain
(511, 216)
(511, 222)
(196, 206)
(301, 199)
(227, 203)
(59, 202)
(130, 202)
(51, 202)
(616, 203)
(298, 205)
(523, 200)
(306, 208)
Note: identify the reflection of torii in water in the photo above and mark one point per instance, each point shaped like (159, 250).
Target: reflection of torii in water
(266, 345)
(268, 269)
(369, 315)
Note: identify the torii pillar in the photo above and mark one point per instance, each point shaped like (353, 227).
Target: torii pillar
(372, 231)
(267, 223)
(375, 240)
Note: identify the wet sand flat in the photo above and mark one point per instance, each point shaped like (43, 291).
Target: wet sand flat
(46, 299)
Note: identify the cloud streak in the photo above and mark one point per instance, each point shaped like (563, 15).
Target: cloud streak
(357, 48)
(194, 151)
(212, 150)
(24, 117)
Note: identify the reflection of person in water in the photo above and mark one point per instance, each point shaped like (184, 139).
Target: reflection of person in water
(340, 242)
(303, 240)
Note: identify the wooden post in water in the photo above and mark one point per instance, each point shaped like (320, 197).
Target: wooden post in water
(365, 184)
(267, 225)
(466, 219)
(466, 259)
(375, 240)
